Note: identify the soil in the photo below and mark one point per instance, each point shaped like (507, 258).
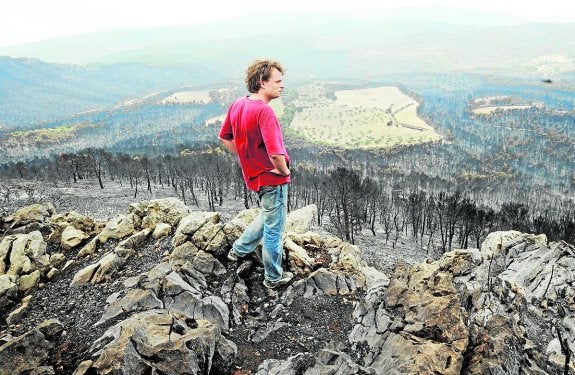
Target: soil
(310, 327)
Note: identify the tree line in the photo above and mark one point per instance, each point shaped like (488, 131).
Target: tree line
(351, 198)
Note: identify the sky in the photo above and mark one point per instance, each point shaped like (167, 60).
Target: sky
(23, 21)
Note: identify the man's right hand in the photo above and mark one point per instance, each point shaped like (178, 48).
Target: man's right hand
(276, 171)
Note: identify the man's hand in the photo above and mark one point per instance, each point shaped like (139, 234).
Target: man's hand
(280, 165)
(276, 171)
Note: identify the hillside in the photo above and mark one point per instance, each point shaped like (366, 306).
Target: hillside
(151, 290)
(35, 93)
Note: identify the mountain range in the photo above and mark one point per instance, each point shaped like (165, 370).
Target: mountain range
(332, 45)
(58, 77)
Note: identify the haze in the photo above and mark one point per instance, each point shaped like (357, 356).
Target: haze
(31, 20)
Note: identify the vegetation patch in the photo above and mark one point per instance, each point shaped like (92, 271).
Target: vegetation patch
(381, 117)
(43, 136)
(492, 104)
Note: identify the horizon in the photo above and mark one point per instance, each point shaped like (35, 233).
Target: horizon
(28, 21)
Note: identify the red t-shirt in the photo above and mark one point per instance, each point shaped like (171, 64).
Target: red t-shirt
(257, 134)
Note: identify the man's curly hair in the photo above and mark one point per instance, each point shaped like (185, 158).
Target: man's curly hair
(260, 70)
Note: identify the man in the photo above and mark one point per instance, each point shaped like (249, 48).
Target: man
(252, 132)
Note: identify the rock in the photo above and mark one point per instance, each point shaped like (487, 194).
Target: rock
(173, 284)
(184, 253)
(167, 210)
(29, 281)
(211, 238)
(72, 237)
(204, 230)
(83, 367)
(57, 260)
(371, 316)
(134, 241)
(8, 289)
(72, 219)
(16, 316)
(134, 301)
(501, 345)
(461, 262)
(350, 258)
(429, 303)
(28, 352)
(407, 354)
(43, 370)
(5, 246)
(53, 273)
(191, 223)
(226, 353)
(75, 219)
(235, 227)
(414, 325)
(154, 278)
(8, 286)
(84, 275)
(24, 353)
(211, 308)
(119, 227)
(323, 282)
(107, 268)
(298, 257)
(236, 294)
(207, 264)
(495, 241)
(161, 230)
(27, 218)
(156, 341)
(300, 220)
(291, 366)
(330, 361)
(89, 248)
(269, 328)
(28, 253)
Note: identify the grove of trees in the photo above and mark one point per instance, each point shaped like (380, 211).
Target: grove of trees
(352, 197)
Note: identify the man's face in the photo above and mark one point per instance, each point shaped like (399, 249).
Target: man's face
(273, 87)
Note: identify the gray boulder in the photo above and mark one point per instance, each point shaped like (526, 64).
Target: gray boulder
(29, 352)
(157, 341)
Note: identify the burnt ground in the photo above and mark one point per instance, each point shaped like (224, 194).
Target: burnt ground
(78, 308)
(311, 323)
(311, 326)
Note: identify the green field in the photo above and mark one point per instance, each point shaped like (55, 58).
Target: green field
(380, 117)
(43, 136)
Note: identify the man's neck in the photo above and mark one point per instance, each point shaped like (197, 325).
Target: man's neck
(258, 96)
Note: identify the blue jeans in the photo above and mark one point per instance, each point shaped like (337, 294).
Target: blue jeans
(269, 225)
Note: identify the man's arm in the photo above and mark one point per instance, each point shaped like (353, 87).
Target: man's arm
(280, 165)
(230, 145)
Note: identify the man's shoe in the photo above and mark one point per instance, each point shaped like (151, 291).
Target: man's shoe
(233, 256)
(286, 278)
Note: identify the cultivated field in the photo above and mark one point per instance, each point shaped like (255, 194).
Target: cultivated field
(188, 97)
(380, 117)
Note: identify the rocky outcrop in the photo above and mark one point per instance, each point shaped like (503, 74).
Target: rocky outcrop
(158, 341)
(30, 353)
(156, 217)
(23, 262)
(27, 219)
(506, 308)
